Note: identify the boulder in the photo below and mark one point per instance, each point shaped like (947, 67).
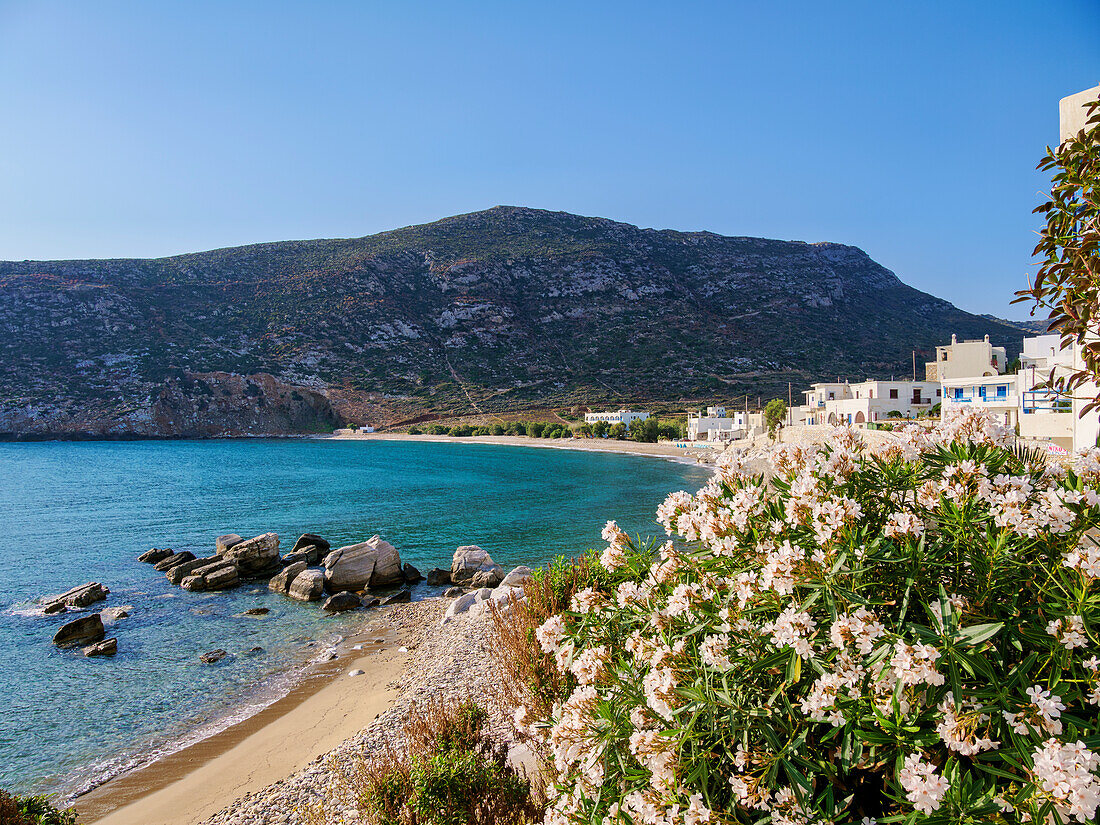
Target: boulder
(437, 577)
(223, 543)
(371, 563)
(213, 656)
(280, 583)
(174, 559)
(371, 601)
(181, 571)
(453, 592)
(518, 577)
(339, 602)
(155, 555)
(113, 614)
(82, 631)
(464, 603)
(487, 578)
(309, 548)
(108, 647)
(399, 597)
(307, 586)
(255, 557)
(470, 560)
(257, 611)
(223, 578)
(194, 584)
(81, 596)
(411, 574)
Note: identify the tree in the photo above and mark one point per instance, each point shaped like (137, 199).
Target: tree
(774, 413)
(1067, 284)
(600, 428)
(535, 428)
(894, 414)
(582, 431)
(617, 430)
(645, 431)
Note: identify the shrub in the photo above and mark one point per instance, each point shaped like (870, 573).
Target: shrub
(33, 810)
(482, 431)
(842, 637)
(535, 428)
(617, 430)
(415, 431)
(448, 773)
(496, 429)
(437, 429)
(461, 431)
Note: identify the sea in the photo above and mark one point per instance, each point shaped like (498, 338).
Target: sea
(74, 512)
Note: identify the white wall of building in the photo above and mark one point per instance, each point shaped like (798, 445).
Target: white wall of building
(626, 417)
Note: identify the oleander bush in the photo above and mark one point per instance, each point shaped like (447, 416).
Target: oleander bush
(835, 636)
(33, 810)
(445, 771)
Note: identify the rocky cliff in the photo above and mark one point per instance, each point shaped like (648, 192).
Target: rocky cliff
(500, 310)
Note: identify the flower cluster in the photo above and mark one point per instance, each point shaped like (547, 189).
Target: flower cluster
(923, 613)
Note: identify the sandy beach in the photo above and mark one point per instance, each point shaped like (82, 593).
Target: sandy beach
(328, 707)
(662, 449)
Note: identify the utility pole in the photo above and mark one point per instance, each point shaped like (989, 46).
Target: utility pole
(790, 412)
(914, 365)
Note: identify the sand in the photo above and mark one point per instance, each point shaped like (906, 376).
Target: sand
(662, 449)
(194, 784)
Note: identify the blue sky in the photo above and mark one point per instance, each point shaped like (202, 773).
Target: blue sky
(908, 129)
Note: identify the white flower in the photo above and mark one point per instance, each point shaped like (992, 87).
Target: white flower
(900, 525)
(792, 628)
(551, 633)
(1065, 775)
(923, 786)
(915, 664)
(860, 628)
(1070, 631)
(715, 651)
(1042, 713)
(1085, 559)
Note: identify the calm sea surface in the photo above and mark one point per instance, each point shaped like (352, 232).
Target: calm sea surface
(77, 512)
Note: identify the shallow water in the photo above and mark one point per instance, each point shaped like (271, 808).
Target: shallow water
(73, 512)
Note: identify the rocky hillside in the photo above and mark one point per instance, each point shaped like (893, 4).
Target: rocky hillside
(502, 310)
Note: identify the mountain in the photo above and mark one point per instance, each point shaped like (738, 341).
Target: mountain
(496, 311)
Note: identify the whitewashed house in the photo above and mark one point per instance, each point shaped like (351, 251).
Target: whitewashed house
(717, 425)
(867, 402)
(964, 359)
(626, 417)
(996, 394)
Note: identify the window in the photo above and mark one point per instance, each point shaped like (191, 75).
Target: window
(938, 393)
(893, 393)
(1002, 390)
(870, 393)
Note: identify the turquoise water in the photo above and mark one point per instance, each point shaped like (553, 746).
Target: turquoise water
(77, 512)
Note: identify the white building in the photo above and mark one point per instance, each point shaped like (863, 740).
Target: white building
(716, 425)
(626, 417)
(963, 359)
(996, 394)
(867, 402)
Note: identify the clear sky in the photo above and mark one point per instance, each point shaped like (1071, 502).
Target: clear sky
(908, 129)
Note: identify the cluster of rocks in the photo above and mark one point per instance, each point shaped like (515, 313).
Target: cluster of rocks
(311, 571)
(88, 632)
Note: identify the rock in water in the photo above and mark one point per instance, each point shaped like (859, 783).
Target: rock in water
(412, 575)
(213, 656)
(309, 548)
(437, 577)
(280, 583)
(108, 647)
(223, 578)
(81, 596)
(181, 571)
(257, 611)
(223, 543)
(486, 578)
(371, 601)
(470, 560)
(155, 555)
(339, 602)
(371, 563)
(255, 557)
(54, 607)
(453, 592)
(307, 586)
(399, 597)
(113, 614)
(176, 558)
(82, 631)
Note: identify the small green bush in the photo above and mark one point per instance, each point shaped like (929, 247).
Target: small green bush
(33, 810)
(415, 431)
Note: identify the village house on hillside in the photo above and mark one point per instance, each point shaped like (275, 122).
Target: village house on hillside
(624, 417)
(867, 402)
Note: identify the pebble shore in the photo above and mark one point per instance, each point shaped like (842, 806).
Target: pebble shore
(450, 662)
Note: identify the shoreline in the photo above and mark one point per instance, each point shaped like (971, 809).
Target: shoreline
(666, 450)
(321, 710)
